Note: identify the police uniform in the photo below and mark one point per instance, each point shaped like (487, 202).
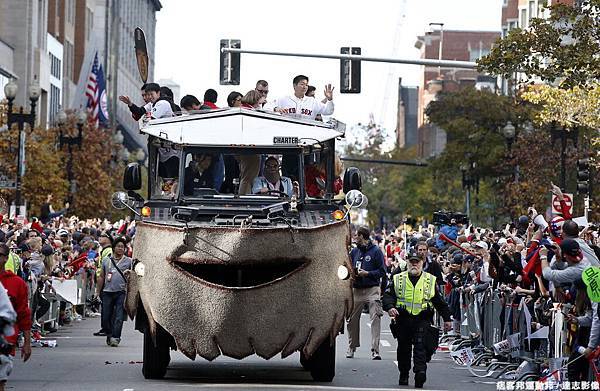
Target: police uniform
(414, 297)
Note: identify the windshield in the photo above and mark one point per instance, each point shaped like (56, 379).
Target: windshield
(244, 173)
(262, 172)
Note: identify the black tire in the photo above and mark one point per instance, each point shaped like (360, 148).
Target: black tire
(305, 362)
(156, 358)
(322, 362)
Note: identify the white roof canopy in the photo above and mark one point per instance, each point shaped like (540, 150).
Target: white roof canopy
(238, 127)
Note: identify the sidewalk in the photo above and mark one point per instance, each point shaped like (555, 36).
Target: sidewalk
(79, 361)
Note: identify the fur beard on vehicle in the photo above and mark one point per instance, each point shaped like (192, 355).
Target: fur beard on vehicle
(297, 310)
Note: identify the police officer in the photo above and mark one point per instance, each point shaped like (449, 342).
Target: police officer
(408, 300)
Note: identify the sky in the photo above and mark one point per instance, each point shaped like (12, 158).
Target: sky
(188, 34)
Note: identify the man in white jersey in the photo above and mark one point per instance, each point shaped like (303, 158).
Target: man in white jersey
(305, 107)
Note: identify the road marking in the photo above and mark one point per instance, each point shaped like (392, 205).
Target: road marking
(385, 343)
(280, 386)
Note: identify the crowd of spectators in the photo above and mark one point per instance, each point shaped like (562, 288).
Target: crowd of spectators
(538, 259)
(37, 253)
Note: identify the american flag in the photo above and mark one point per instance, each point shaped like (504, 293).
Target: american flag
(96, 95)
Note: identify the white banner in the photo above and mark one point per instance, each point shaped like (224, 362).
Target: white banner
(67, 289)
(464, 355)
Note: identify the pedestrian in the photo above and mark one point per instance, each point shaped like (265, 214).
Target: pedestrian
(369, 269)
(408, 300)
(111, 288)
(16, 289)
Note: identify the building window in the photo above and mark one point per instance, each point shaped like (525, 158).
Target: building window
(54, 102)
(55, 66)
(532, 11)
(71, 11)
(89, 23)
(524, 20)
(68, 59)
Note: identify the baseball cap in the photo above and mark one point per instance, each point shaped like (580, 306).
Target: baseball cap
(413, 256)
(62, 232)
(24, 247)
(457, 258)
(47, 250)
(571, 247)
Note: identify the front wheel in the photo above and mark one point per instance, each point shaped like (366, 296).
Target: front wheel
(156, 357)
(322, 363)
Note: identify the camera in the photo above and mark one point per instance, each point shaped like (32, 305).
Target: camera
(444, 218)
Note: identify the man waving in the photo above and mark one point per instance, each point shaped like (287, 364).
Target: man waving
(305, 107)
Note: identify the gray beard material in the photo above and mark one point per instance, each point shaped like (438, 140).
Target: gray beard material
(298, 310)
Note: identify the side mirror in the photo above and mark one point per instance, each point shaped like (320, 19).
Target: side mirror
(352, 179)
(132, 178)
(356, 199)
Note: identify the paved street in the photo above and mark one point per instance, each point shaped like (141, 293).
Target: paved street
(81, 361)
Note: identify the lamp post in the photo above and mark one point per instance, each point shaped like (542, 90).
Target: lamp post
(140, 156)
(69, 141)
(21, 118)
(560, 133)
(509, 133)
(469, 181)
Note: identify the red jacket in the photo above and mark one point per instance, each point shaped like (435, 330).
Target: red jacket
(311, 173)
(17, 291)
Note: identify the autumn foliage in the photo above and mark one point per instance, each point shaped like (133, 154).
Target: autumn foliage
(94, 168)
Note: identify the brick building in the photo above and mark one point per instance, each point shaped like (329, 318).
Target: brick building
(457, 45)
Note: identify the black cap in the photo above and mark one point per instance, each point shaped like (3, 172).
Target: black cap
(24, 247)
(571, 247)
(47, 250)
(457, 258)
(414, 256)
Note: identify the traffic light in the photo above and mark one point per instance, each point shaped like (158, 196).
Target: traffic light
(350, 72)
(583, 176)
(230, 62)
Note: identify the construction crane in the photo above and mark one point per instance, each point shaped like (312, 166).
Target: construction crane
(390, 81)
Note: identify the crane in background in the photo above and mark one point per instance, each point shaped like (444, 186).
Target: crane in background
(390, 81)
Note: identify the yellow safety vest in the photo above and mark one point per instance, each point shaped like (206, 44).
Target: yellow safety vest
(414, 299)
(14, 263)
(106, 252)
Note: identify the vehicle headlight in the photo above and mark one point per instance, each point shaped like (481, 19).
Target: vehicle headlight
(343, 272)
(140, 269)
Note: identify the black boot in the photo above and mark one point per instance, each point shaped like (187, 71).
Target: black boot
(420, 378)
(403, 380)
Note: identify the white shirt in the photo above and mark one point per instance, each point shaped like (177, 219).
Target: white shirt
(305, 108)
(161, 109)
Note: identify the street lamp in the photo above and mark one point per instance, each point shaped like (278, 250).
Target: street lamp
(469, 181)
(140, 156)
(509, 133)
(124, 155)
(69, 141)
(118, 137)
(21, 118)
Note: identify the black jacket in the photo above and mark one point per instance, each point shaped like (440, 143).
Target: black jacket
(389, 302)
